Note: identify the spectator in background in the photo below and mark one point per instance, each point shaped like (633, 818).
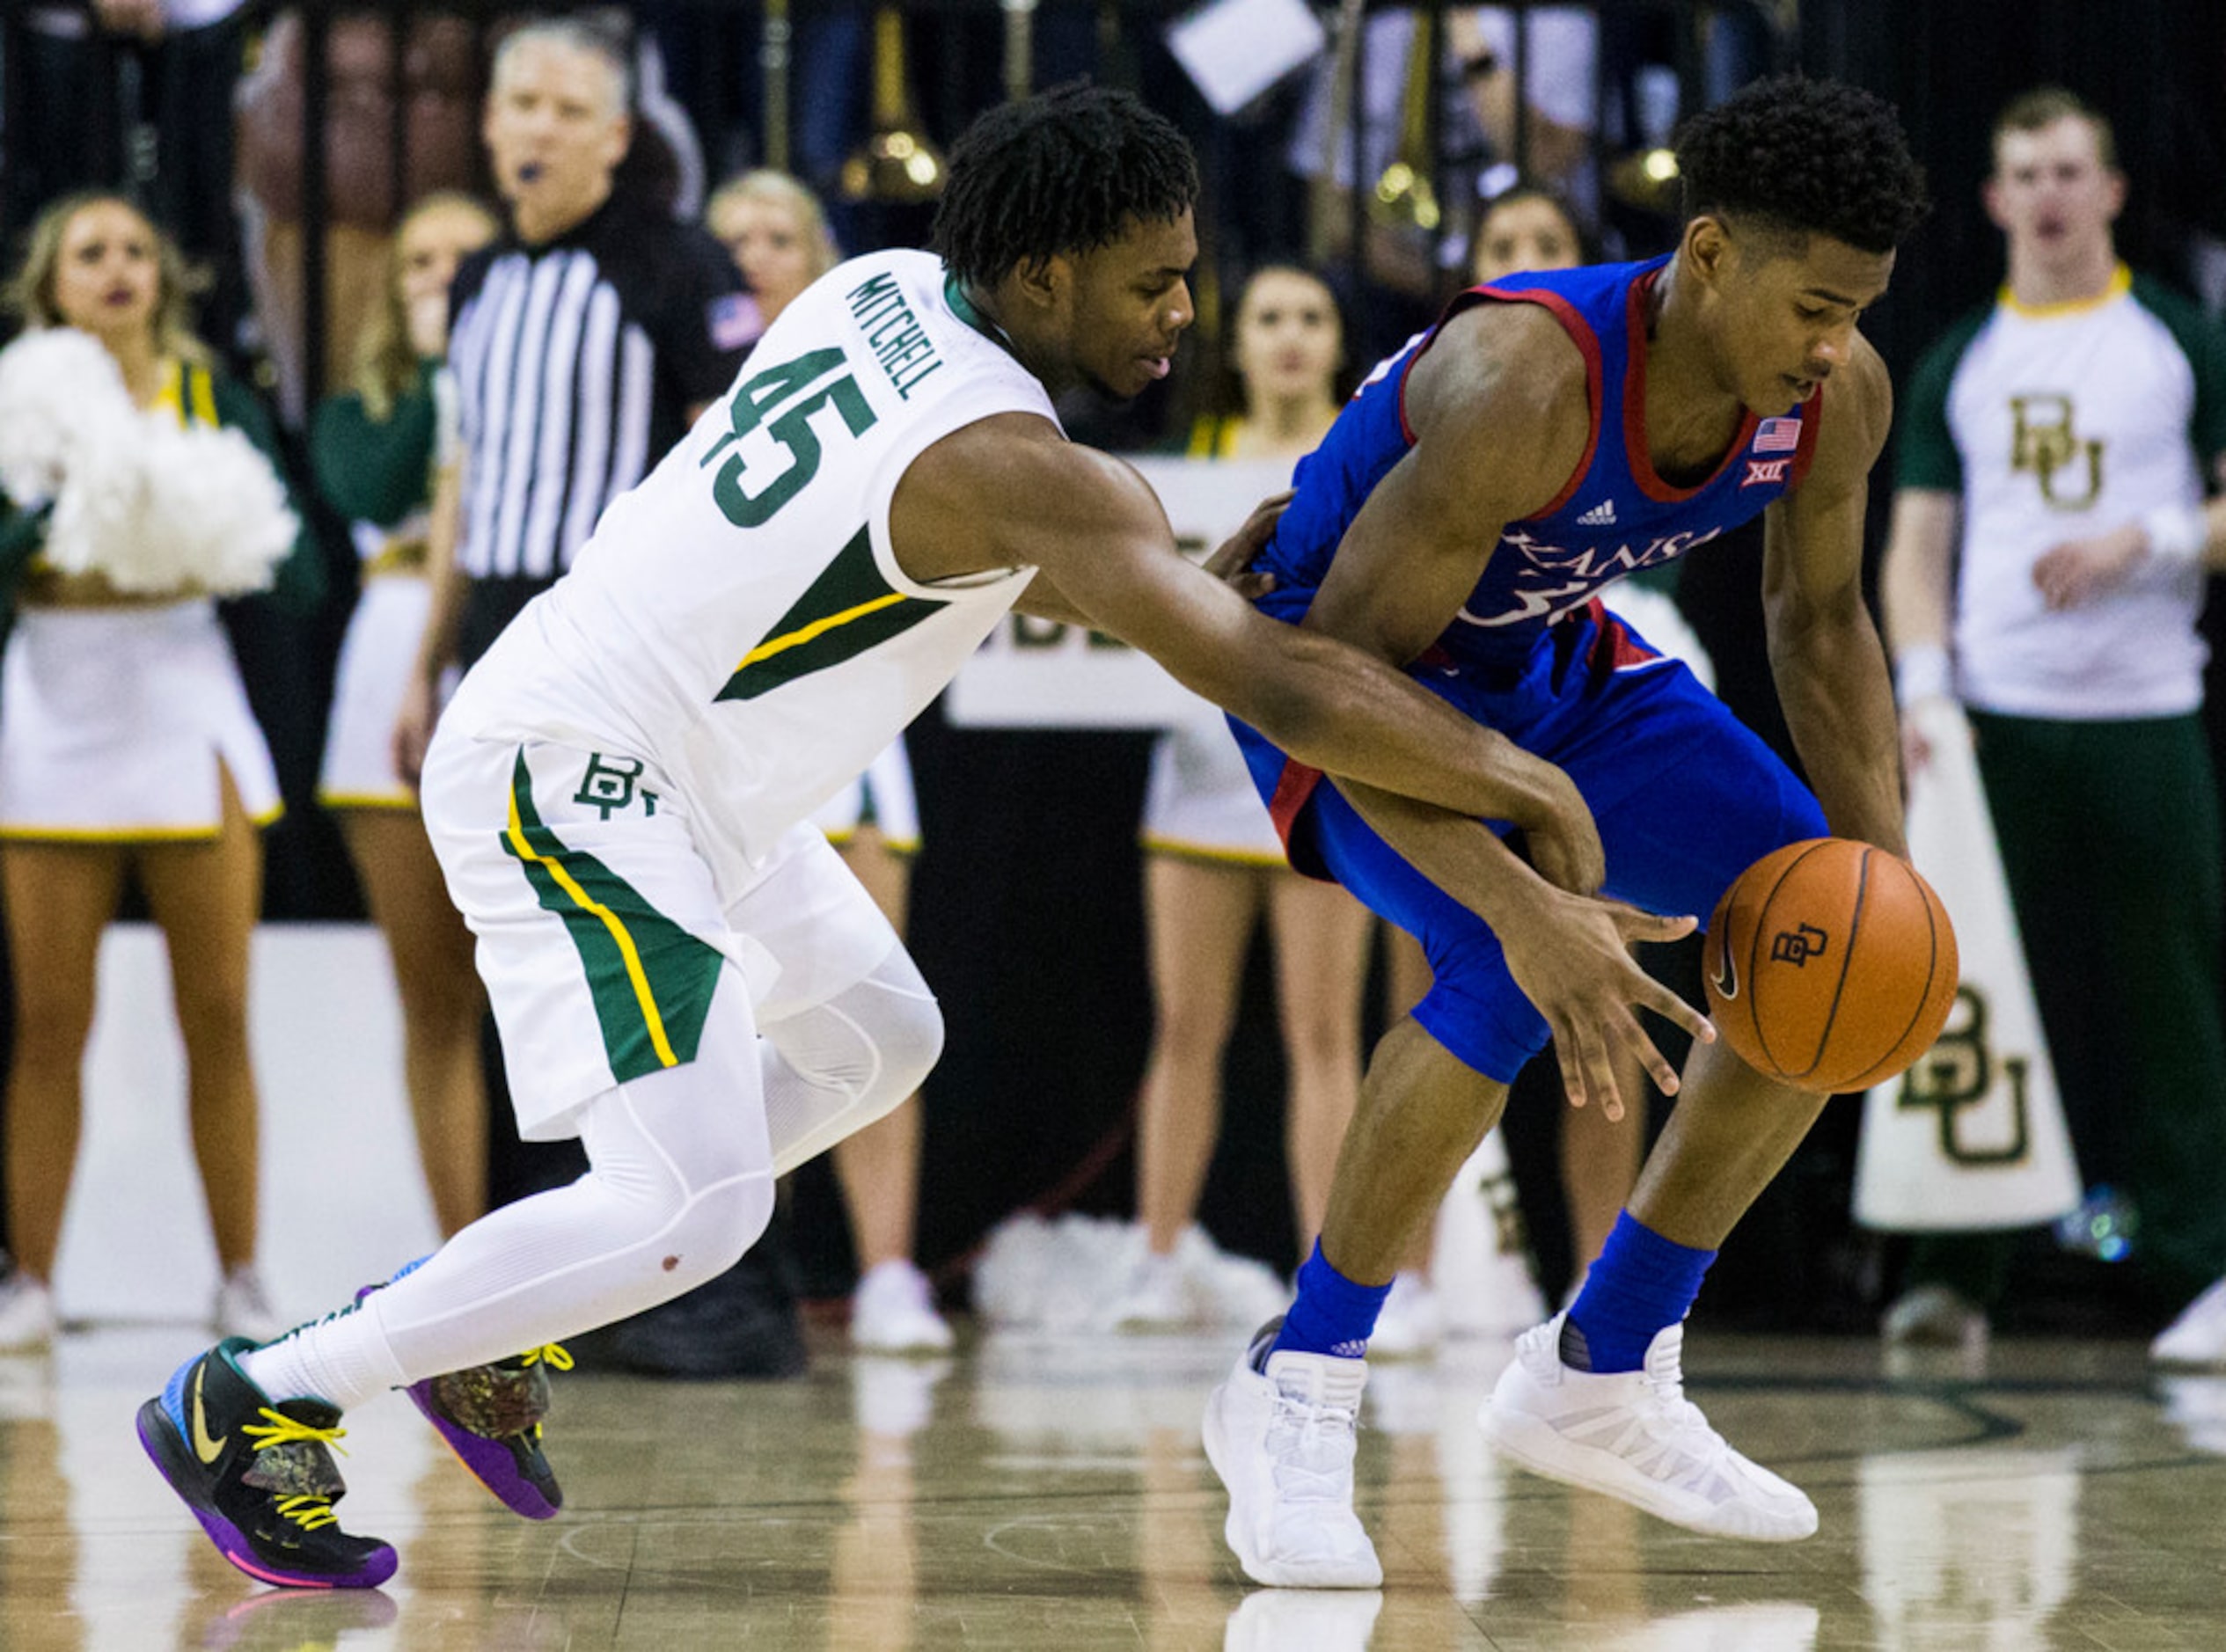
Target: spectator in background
(1485, 130)
(1526, 227)
(374, 448)
(2046, 566)
(127, 748)
(777, 233)
(129, 95)
(1214, 869)
(435, 79)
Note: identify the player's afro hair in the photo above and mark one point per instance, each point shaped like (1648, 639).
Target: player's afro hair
(1804, 155)
(1060, 173)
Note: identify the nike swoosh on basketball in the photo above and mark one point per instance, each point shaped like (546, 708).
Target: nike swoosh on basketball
(1727, 977)
(204, 1448)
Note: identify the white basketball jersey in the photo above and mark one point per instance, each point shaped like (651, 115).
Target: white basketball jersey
(739, 618)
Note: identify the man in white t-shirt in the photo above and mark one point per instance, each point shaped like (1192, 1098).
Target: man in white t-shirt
(2047, 566)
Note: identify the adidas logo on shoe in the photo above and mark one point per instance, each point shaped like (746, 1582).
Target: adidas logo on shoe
(1600, 515)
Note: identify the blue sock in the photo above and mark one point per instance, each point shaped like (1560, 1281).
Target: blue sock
(1332, 1315)
(1641, 1282)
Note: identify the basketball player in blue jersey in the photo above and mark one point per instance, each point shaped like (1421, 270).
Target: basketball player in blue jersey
(1549, 434)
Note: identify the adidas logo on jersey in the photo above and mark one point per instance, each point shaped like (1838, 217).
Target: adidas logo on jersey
(1600, 515)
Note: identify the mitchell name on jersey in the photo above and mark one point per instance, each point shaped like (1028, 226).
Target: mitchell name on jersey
(739, 620)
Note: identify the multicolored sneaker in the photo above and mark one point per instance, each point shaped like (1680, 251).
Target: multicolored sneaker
(258, 1476)
(490, 1416)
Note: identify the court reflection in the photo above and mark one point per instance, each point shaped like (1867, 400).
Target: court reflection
(1973, 1547)
(874, 1561)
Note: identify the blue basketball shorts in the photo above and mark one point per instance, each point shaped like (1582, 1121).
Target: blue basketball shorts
(1686, 798)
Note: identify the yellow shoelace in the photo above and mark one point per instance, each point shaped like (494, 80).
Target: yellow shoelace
(307, 1512)
(284, 1431)
(550, 1354)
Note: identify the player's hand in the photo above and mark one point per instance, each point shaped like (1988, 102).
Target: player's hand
(2081, 570)
(414, 730)
(1575, 965)
(1231, 562)
(1564, 839)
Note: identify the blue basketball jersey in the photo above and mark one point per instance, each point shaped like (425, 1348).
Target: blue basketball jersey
(1612, 516)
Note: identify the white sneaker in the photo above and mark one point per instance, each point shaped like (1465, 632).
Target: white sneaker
(893, 1311)
(1634, 1434)
(1412, 1323)
(2198, 1337)
(1936, 1316)
(1155, 1297)
(27, 1313)
(1283, 1444)
(243, 1308)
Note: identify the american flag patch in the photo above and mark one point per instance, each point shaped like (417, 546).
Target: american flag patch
(1777, 436)
(732, 320)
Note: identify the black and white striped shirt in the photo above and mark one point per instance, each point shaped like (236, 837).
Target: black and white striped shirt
(575, 363)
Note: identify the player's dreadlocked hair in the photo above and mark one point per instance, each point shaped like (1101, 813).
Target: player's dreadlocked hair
(1059, 172)
(1804, 155)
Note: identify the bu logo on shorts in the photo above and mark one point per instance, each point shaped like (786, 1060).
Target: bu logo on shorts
(609, 785)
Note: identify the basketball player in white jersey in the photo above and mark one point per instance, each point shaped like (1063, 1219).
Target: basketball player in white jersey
(684, 975)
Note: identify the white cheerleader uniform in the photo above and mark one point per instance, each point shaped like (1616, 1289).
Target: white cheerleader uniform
(117, 721)
(377, 655)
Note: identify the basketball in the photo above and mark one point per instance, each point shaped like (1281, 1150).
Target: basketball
(1830, 964)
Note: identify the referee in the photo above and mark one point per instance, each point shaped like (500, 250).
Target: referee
(584, 340)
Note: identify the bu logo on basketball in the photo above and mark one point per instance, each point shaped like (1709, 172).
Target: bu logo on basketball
(1797, 947)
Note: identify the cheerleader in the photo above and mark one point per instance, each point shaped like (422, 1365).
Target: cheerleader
(139, 488)
(374, 449)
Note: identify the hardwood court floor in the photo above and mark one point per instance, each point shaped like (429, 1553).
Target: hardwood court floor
(1052, 1494)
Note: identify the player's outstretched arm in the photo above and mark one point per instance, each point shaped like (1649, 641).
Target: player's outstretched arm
(1569, 952)
(1010, 491)
(1825, 655)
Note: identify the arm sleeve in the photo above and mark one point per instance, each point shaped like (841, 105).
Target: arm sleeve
(2203, 342)
(1925, 453)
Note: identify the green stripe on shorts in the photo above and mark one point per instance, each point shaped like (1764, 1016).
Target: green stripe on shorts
(651, 981)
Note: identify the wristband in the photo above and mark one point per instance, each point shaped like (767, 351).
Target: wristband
(1922, 673)
(2176, 534)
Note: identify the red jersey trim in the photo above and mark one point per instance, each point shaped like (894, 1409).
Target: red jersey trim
(1635, 450)
(1581, 335)
(1291, 791)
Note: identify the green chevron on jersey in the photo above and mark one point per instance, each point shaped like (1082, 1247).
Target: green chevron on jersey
(849, 608)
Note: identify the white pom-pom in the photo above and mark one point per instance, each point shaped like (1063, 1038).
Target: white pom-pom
(100, 513)
(219, 509)
(60, 392)
(152, 507)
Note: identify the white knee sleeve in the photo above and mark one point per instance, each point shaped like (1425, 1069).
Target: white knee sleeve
(680, 1185)
(833, 1068)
